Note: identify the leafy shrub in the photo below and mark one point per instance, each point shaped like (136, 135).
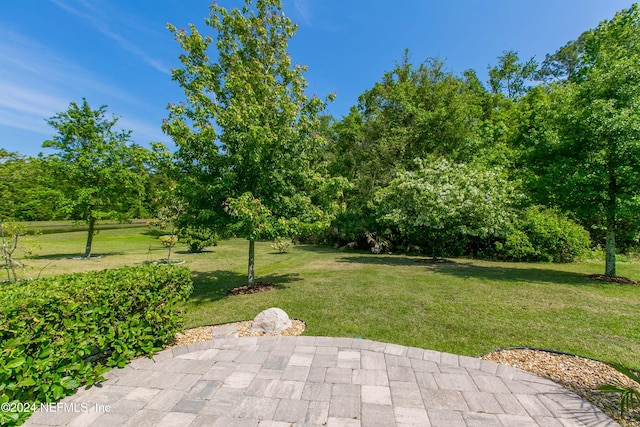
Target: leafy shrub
(516, 247)
(198, 238)
(544, 235)
(61, 332)
(378, 244)
(281, 245)
(440, 205)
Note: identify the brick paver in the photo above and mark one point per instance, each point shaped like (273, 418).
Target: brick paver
(318, 381)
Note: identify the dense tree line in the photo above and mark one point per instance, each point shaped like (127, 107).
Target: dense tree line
(94, 173)
(36, 189)
(538, 164)
(442, 163)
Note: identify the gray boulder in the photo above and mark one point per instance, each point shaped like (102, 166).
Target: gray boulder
(271, 321)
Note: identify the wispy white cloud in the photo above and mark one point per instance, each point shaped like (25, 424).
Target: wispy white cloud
(28, 64)
(303, 11)
(36, 83)
(18, 120)
(28, 101)
(104, 23)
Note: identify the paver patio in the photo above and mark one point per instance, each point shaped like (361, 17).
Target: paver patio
(318, 381)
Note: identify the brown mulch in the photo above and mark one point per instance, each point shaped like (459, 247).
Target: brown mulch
(580, 375)
(255, 288)
(616, 279)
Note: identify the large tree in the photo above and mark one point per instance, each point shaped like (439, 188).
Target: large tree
(96, 165)
(248, 136)
(414, 111)
(589, 161)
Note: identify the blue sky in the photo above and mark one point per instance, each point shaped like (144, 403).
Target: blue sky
(118, 52)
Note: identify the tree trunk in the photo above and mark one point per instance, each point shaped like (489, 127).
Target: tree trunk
(610, 263)
(87, 249)
(250, 271)
(611, 212)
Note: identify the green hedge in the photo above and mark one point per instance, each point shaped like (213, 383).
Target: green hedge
(62, 332)
(544, 235)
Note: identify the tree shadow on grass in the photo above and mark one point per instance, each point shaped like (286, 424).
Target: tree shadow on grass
(188, 252)
(213, 286)
(545, 273)
(320, 249)
(76, 255)
(154, 232)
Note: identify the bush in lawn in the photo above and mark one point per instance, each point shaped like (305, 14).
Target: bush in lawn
(544, 235)
(281, 245)
(198, 238)
(61, 332)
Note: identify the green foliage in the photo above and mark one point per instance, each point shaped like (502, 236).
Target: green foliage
(248, 137)
(544, 235)
(416, 110)
(585, 160)
(62, 332)
(510, 76)
(29, 191)
(281, 245)
(443, 204)
(102, 174)
(629, 396)
(159, 182)
(168, 217)
(168, 240)
(198, 237)
(516, 247)
(564, 63)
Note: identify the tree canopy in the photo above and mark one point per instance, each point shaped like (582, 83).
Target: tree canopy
(516, 168)
(95, 165)
(249, 137)
(591, 142)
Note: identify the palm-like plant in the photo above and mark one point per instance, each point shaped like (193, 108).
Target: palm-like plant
(629, 395)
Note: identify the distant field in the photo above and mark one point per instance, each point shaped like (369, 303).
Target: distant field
(48, 227)
(465, 307)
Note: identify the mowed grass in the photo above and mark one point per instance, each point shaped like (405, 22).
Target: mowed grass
(465, 307)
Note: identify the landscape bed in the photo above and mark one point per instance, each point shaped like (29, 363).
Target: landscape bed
(466, 307)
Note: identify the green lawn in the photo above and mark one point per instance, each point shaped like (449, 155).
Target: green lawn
(465, 307)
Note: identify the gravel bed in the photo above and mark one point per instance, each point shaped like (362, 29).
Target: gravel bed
(238, 329)
(578, 374)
